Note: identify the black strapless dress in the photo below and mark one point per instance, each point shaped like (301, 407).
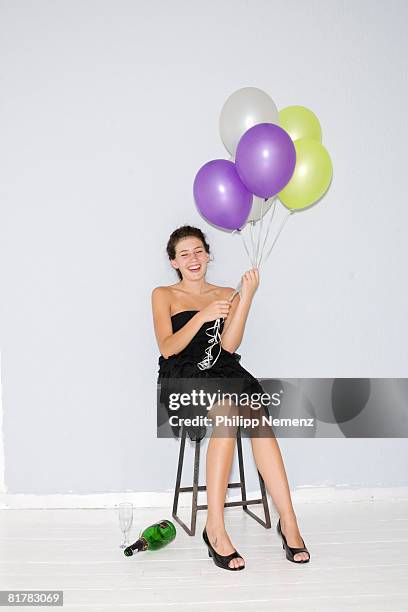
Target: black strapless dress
(204, 349)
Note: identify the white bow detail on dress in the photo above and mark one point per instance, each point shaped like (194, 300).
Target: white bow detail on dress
(215, 339)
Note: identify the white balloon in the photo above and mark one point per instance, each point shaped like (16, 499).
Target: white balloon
(256, 209)
(243, 109)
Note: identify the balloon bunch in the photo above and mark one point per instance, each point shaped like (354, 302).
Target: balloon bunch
(274, 155)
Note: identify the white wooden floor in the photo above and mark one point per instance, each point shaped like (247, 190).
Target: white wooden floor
(359, 560)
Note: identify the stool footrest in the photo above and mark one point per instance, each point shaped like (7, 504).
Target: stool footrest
(232, 485)
(245, 502)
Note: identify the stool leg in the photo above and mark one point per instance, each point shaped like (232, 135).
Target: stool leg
(267, 522)
(241, 469)
(192, 529)
(195, 486)
(179, 471)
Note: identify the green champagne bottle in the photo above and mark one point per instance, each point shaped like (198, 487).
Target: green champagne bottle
(153, 537)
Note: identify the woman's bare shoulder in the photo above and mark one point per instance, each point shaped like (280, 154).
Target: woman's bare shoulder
(160, 295)
(163, 289)
(164, 296)
(227, 291)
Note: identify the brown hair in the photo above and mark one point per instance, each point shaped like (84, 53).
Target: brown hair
(184, 232)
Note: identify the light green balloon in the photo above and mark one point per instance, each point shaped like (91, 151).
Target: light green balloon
(300, 122)
(311, 177)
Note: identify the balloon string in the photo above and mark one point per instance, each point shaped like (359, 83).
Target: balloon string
(277, 236)
(251, 224)
(260, 231)
(267, 230)
(215, 339)
(246, 248)
(238, 287)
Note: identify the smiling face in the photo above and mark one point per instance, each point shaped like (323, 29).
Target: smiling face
(191, 258)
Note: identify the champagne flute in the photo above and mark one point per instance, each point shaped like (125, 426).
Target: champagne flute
(125, 521)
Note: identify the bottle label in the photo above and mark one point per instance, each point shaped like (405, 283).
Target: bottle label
(145, 544)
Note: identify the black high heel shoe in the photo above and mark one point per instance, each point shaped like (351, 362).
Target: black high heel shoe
(290, 551)
(220, 560)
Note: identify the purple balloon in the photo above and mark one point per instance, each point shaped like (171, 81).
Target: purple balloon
(220, 195)
(265, 159)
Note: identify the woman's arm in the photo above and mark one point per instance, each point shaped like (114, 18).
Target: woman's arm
(234, 325)
(171, 343)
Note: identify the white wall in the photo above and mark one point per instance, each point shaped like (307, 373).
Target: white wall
(108, 110)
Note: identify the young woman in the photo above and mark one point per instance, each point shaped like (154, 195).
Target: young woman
(198, 330)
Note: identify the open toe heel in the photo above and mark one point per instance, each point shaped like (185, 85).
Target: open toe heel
(290, 550)
(221, 560)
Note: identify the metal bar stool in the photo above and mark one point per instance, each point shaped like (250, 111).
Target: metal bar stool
(196, 488)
